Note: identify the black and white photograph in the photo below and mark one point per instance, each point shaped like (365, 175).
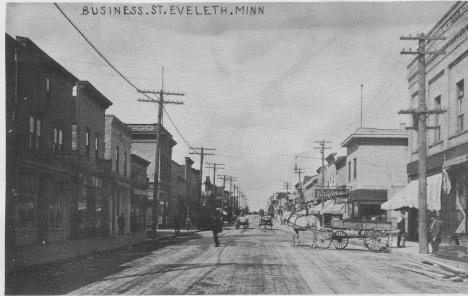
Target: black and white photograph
(235, 148)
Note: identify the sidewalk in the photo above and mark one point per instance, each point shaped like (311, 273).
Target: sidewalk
(35, 255)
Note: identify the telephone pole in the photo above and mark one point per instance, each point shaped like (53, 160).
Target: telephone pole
(202, 155)
(419, 124)
(287, 185)
(161, 102)
(299, 172)
(214, 176)
(322, 150)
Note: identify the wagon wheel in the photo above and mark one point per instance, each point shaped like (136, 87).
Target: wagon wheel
(377, 240)
(340, 239)
(323, 239)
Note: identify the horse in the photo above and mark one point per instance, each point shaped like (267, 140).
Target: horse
(302, 223)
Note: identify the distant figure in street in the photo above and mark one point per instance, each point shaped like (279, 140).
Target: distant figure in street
(216, 227)
(133, 222)
(176, 225)
(402, 230)
(188, 223)
(121, 224)
(435, 234)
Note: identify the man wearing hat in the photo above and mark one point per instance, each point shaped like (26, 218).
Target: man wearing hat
(435, 233)
(401, 225)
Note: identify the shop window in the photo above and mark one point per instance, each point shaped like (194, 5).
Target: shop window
(74, 136)
(460, 111)
(55, 212)
(58, 141)
(25, 195)
(34, 133)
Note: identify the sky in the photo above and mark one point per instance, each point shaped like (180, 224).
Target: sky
(260, 89)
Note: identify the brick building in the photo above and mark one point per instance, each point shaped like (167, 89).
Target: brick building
(38, 104)
(144, 137)
(446, 80)
(118, 152)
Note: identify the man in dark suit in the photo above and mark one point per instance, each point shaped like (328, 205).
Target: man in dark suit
(216, 227)
(435, 234)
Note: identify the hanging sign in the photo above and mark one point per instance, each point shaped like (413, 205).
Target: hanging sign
(331, 193)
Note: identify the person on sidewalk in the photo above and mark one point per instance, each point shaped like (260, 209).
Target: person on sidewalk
(435, 234)
(216, 227)
(401, 225)
(188, 223)
(121, 224)
(133, 222)
(176, 225)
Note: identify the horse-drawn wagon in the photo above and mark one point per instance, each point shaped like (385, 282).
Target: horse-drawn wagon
(266, 220)
(242, 221)
(375, 234)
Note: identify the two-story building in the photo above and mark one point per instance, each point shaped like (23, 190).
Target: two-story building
(118, 152)
(376, 169)
(139, 190)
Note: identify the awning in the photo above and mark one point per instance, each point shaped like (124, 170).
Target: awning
(408, 196)
(316, 209)
(334, 209)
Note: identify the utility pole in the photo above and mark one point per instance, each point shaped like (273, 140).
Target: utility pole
(322, 150)
(202, 155)
(419, 124)
(161, 102)
(214, 176)
(222, 196)
(299, 172)
(287, 185)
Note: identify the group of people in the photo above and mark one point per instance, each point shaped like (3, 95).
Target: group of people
(134, 223)
(435, 231)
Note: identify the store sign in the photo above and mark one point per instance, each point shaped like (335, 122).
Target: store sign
(456, 160)
(332, 193)
(142, 127)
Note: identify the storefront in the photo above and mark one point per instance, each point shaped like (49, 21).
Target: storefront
(364, 204)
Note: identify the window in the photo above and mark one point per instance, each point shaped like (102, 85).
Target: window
(34, 133)
(74, 136)
(58, 143)
(125, 163)
(25, 194)
(460, 94)
(355, 168)
(436, 120)
(96, 147)
(117, 159)
(55, 210)
(48, 87)
(349, 170)
(88, 144)
(74, 91)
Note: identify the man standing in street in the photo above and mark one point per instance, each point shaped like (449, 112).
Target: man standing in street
(188, 223)
(216, 227)
(435, 234)
(133, 222)
(176, 225)
(402, 230)
(121, 224)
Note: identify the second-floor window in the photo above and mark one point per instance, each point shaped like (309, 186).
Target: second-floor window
(117, 159)
(436, 120)
(34, 133)
(460, 111)
(88, 142)
(58, 142)
(355, 168)
(74, 136)
(125, 163)
(349, 170)
(96, 147)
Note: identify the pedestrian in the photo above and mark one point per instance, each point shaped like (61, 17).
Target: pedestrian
(188, 223)
(176, 225)
(121, 224)
(401, 225)
(216, 227)
(133, 222)
(435, 233)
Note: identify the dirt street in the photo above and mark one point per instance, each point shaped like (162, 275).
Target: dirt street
(249, 261)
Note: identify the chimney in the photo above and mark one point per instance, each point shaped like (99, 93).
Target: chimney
(403, 126)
